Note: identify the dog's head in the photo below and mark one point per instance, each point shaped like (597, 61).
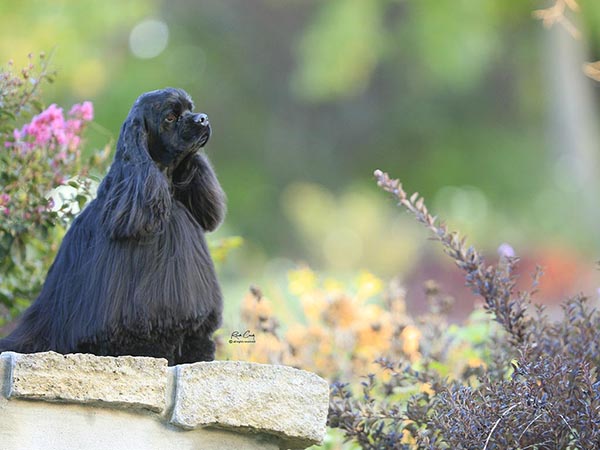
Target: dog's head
(173, 130)
(160, 131)
(163, 128)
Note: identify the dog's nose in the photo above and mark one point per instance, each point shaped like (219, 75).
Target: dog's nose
(201, 119)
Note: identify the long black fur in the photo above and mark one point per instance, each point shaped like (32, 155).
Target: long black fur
(133, 275)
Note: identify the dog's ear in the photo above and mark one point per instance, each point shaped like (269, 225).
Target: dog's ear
(137, 200)
(197, 187)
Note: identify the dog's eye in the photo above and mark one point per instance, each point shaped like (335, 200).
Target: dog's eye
(171, 117)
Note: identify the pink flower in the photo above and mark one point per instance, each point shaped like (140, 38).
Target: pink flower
(49, 129)
(74, 142)
(43, 127)
(4, 199)
(61, 137)
(73, 125)
(84, 110)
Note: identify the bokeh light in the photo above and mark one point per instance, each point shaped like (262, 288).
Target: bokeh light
(149, 38)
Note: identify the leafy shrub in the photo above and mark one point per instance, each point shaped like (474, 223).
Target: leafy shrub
(41, 151)
(539, 390)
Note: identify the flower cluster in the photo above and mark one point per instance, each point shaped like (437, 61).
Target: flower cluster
(45, 152)
(51, 131)
(341, 330)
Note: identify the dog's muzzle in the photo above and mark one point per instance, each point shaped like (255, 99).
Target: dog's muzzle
(201, 120)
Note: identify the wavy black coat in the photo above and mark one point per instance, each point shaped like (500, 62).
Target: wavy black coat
(133, 275)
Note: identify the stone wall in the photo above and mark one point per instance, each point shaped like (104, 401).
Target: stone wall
(51, 401)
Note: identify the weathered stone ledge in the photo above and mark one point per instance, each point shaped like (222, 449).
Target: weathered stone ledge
(272, 406)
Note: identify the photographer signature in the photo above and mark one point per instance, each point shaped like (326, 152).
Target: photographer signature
(247, 337)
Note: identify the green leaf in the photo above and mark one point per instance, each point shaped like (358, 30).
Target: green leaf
(81, 200)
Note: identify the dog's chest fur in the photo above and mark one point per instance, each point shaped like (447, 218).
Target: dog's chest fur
(155, 283)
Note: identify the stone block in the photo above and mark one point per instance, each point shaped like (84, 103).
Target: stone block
(126, 381)
(289, 403)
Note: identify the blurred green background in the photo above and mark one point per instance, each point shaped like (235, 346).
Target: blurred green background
(473, 103)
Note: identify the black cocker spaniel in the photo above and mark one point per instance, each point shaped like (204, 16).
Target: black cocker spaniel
(133, 275)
